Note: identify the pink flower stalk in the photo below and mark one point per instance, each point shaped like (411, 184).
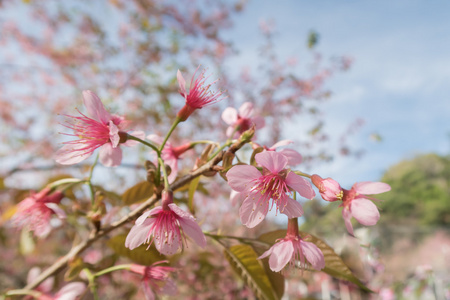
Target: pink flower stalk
(70, 291)
(166, 226)
(275, 183)
(35, 211)
(99, 129)
(293, 249)
(241, 121)
(170, 155)
(199, 94)
(356, 203)
(329, 189)
(155, 278)
(294, 158)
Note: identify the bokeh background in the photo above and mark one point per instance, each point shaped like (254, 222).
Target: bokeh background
(361, 87)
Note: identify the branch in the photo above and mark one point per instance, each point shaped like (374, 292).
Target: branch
(61, 263)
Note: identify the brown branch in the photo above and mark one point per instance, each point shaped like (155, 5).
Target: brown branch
(61, 263)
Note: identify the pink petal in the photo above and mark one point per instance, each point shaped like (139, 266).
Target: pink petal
(294, 158)
(168, 248)
(281, 254)
(181, 213)
(251, 213)
(293, 209)
(267, 253)
(144, 216)
(70, 154)
(300, 184)
(313, 255)
(70, 291)
(170, 288)
(237, 197)
(95, 107)
(370, 188)
(109, 156)
(148, 293)
(273, 161)
(58, 211)
(246, 110)
(181, 83)
(240, 177)
(229, 115)
(192, 229)
(347, 215)
(138, 234)
(114, 134)
(364, 211)
(139, 134)
(258, 121)
(281, 144)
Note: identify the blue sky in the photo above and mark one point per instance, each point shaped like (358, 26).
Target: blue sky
(399, 82)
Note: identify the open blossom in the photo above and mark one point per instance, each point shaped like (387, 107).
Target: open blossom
(170, 154)
(166, 226)
(242, 120)
(276, 183)
(329, 189)
(36, 211)
(356, 203)
(293, 249)
(199, 94)
(99, 129)
(155, 279)
(70, 291)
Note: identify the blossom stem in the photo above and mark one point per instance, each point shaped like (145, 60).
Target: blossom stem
(174, 125)
(92, 284)
(64, 181)
(112, 269)
(89, 182)
(131, 137)
(292, 229)
(302, 174)
(205, 142)
(35, 294)
(227, 143)
(163, 167)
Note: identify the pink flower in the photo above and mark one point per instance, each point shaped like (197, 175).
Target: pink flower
(329, 189)
(356, 203)
(155, 278)
(99, 129)
(171, 155)
(199, 94)
(166, 226)
(70, 291)
(274, 183)
(241, 121)
(292, 249)
(36, 210)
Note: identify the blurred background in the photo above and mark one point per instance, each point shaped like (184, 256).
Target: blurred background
(360, 87)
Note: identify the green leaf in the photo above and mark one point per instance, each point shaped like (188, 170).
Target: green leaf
(244, 261)
(137, 193)
(192, 188)
(334, 265)
(139, 255)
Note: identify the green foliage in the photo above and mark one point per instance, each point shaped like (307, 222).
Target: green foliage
(244, 261)
(137, 193)
(139, 255)
(420, 192)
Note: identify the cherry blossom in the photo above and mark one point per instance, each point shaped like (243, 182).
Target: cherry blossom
(99, 129)
(170, 154)
(166, 226)
(199, 94)
(329, 189)
(155, 279)
(293, 249)
(35, 211)
(356, 203)
(242, 120)
(275, 183)
(294, 158)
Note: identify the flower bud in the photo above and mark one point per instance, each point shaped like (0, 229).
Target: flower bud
(329, 189)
